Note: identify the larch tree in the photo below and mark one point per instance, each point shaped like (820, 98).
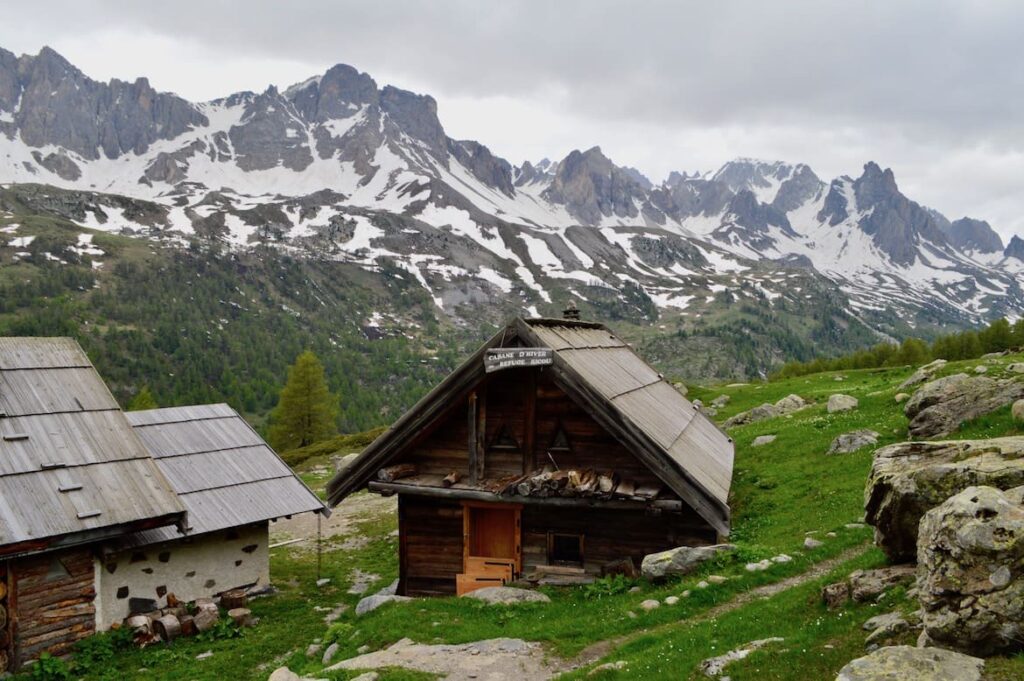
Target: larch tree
(142, 400)
(306, 410)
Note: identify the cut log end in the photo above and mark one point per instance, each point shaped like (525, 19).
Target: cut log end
(396, 472)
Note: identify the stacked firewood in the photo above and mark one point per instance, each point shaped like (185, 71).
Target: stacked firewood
(180, 619)
(588, 483)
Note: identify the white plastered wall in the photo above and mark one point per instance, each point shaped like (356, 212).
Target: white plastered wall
(190, 568)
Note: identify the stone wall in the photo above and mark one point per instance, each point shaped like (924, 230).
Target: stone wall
(189, 568)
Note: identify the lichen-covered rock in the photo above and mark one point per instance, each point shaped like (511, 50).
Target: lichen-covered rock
(940, 406)
(762, 440)
(971, 571)
(910, 478)
(506, 595)
(866, 585)
(852, 441)
(840, 403)
(679, 561)
(790, 403)
(1017, 411)
(720, 401)
(765, 411)
(896, 663)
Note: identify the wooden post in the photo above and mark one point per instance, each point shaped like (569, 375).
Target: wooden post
(473, 454)
(529, 460)
(481, 435)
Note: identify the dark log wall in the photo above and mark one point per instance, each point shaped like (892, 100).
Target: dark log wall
(510, 401)
(430, 545)
(53, 603)
(610, 534)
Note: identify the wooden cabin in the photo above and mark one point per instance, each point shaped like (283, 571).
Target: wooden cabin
(553, 450)
(103, 515)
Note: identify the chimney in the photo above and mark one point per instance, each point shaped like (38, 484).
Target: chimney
(571, 312)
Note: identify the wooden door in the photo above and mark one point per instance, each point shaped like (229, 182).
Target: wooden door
(493, 532)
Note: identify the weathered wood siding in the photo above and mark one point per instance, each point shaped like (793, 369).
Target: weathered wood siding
(52, 603)
(430, 545)
(610, 534)
(510, 402)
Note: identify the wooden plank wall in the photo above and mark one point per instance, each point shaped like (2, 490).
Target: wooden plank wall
(53, 600)
(610, 534)
(514, 399)
(430, 545)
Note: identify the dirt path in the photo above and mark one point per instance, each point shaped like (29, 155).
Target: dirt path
(341, 523)
(596, 651)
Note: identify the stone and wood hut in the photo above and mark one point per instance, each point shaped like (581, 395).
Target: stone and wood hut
(83, 494)
(554, 449)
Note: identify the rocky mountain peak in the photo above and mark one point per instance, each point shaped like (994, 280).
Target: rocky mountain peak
(591, 187)
(974, 235)
(1015, 249)
(416, 115)
(337, 94)
(802, 186)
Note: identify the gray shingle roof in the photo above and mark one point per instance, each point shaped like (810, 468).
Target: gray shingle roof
(623, 393)
(223, 471)
(71, 468)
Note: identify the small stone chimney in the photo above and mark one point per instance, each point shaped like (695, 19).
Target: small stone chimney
(571, 312)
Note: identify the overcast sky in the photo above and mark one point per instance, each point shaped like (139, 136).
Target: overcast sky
(932, 89)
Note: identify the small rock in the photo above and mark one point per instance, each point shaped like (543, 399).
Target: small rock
(839, 403)
(889, 630)
(811, 543)
(650, 604)
(371, 603)
(762, 440)
(717, 579)
(854, 526)
(981, 369)
(901, 398)
(203, 656)
(507, 595)
(790, 403)
(363, 649)
(782, 558)
(329, 654)
(866, 585)
(686, 593)
(853, 441)
(313, 649)
(702, 584)
(671, 600)
(679, 561)
(835, 595)
(831, 535)
(323, 582)
(634, 589)
(369, 676)
(613, 666)
(759, 566)
(882, 620)
(1015, 368)
(681, 388)
(720, 401)
(242, 617)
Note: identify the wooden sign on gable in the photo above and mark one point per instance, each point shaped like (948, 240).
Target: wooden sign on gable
(497, 359)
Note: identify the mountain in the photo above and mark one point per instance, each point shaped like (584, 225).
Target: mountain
(338, 169)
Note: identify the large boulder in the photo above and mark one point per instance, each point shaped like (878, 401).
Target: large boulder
(970, 578)
(679, 561)
(940, 406)
(923, 373)
(506, 595)
(910, 478)
(371, 603)
(852, 441)
(896, 663)
(840, 403)
(1017, 411)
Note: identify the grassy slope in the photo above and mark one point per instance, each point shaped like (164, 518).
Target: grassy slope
(781, 492)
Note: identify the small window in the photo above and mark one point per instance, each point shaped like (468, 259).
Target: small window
(565, 549)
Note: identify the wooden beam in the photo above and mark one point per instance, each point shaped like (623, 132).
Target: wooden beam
(529, 456)
(474, 454)
(671, 505)
(481, 434)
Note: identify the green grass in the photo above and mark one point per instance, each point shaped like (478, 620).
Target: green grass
(781, 492)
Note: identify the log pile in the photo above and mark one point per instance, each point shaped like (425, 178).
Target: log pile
(174, 621)
(549, 482)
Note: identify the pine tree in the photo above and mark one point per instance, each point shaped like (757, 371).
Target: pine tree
(142, 400)
(306, 410)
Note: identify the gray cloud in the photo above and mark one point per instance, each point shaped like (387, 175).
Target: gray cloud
(924, 87)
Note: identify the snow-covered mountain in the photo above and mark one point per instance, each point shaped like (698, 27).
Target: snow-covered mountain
(337, 167)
